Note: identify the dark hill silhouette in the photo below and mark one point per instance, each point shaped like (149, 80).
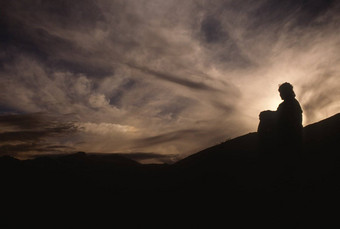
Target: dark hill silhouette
(228, 185)
(243, 146)
(323, 135)
(81, 159)
(320, 136)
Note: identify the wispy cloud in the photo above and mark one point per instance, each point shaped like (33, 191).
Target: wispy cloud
(33, 133)
(180, 80)
(169, 77)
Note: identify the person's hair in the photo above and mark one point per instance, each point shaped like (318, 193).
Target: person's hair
(286, 89)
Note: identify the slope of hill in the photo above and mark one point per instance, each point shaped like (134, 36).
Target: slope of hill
(227, 185)
(321, 136)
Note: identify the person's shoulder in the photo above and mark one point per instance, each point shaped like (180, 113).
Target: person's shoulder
(297, 104)
(290, 104)
(292, 101)
(295, 100)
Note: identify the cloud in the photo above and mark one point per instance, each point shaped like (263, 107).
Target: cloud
(167, 137)
(147, 157)
(32, 133)
(13, 150)
(169, 77)
(175, 79)
(320, 94)
(22, 136)
(98, 101)
(213, 30)
(104, 128)
(23, 121)
(297, 14)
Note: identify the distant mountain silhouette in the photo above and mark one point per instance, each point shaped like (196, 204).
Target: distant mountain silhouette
(87, 160)
(228, 185)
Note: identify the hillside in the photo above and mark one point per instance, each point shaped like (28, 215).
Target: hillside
(319, 137)
(225, 185)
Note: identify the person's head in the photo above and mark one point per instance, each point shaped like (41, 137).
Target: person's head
(286, 91)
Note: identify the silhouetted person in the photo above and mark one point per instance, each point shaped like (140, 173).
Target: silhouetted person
(282, 129)
(280, 135)
(289, 119)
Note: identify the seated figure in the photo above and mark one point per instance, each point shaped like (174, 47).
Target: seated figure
(282, 128)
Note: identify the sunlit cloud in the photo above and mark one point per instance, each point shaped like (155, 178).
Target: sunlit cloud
(104, 128)
(161, 77)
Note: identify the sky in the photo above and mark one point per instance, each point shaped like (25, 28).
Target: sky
(158, 80)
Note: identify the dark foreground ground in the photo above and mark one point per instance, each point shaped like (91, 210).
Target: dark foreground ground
(231, 185)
